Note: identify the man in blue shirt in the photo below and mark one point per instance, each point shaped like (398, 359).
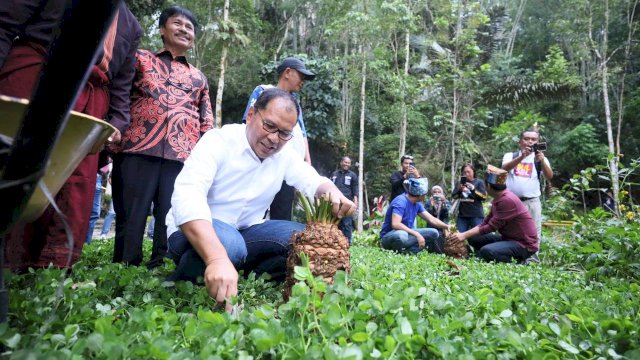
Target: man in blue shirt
(398, 232)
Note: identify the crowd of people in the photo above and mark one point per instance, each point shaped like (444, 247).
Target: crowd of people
(221, 199)
(511, 231)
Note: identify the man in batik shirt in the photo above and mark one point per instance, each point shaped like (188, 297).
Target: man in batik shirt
(170, 111)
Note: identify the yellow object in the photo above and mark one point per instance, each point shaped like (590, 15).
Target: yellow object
(82, 135)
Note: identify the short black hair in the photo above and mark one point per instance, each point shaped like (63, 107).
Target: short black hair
(177, 10)
(405, 157)
(274, 93)
(529, 130)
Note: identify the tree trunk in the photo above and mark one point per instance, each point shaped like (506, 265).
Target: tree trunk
(361, 148)
(223, 61)
(403, 123)
(514, 29)
(613, 156)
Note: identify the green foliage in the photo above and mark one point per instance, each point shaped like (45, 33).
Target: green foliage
(390, 306)
(556, 69)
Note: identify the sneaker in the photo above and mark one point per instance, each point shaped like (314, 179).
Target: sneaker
(532, 259)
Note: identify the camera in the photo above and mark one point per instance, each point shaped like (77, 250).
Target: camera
(539, 147)
(463, 180)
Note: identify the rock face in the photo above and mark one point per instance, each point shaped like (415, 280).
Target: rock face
(325, 246)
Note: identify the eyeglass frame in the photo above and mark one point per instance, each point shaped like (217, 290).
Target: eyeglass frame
(272, 129)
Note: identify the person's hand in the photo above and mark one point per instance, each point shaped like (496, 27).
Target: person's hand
(221, 281)
(470, 186)
(413, 171)
(455, 237)
(115, 137)
(526, 151)
(539, 156)
(340, 205)
(421, 242)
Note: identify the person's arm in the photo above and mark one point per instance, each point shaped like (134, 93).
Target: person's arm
(207, 121)
(120, 90)
(396, 224)
(478, 191)
(434, 220)
(220, 276)
(508, 165)
(456, 237)
(546, 167)
(307, 155)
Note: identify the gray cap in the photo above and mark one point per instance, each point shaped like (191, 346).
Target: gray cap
(295, 64)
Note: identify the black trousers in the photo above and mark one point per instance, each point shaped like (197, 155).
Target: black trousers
(282, 206)
(492, 247)
(137, 182)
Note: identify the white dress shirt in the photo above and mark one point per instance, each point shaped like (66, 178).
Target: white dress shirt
(224, 179)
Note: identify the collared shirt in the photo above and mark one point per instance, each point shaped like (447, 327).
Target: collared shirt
(512, 220)
(299, 131)
(170, 107)
(346, 182)
(225, 180)
(523, 180)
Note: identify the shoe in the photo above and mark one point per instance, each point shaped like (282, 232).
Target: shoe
(532, 259)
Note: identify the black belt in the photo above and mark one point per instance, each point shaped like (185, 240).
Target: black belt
(527, 198)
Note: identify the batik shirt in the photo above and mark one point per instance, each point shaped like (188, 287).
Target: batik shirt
(170, 107)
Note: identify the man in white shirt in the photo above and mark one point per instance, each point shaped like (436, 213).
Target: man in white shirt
(524, 178)
(216, 222)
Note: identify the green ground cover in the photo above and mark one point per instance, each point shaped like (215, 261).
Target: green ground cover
(390, 306)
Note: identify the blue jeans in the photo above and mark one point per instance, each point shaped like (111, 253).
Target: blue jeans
(95, 210)
(262, 248)
(346, 226)
(492, 247)
(108, 220)
(402, 241)
(465, 223)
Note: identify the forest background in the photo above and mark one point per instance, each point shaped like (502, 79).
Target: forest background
(446, 81)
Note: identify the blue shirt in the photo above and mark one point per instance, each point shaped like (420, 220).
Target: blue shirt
(403, 207)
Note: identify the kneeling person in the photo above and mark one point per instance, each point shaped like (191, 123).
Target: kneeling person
(517, 238)
(398, 232)
(216, 222)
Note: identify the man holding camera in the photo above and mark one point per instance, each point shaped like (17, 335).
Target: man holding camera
(525, 167)
(398, 177)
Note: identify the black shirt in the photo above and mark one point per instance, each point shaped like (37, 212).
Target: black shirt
(396, 180)
(346, 182)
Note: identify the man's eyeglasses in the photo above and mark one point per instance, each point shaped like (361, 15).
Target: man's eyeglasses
(271, 128)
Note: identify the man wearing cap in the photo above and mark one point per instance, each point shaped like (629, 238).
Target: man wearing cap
(397, 178)
(398, 232)
(291, 77)
(516, 239)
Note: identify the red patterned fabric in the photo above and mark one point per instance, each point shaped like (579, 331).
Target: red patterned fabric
(44, 241)
(170, 107)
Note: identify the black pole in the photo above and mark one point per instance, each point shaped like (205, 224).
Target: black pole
(72, 55)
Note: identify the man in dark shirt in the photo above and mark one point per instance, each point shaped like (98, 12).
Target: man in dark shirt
(170, 111)
(27, 29)
(517, 237)
(347, 182)
(398, 177)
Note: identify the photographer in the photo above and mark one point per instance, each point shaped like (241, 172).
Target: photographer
(525, 168)
(470, 193)
(398, 177)
(438, 205)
